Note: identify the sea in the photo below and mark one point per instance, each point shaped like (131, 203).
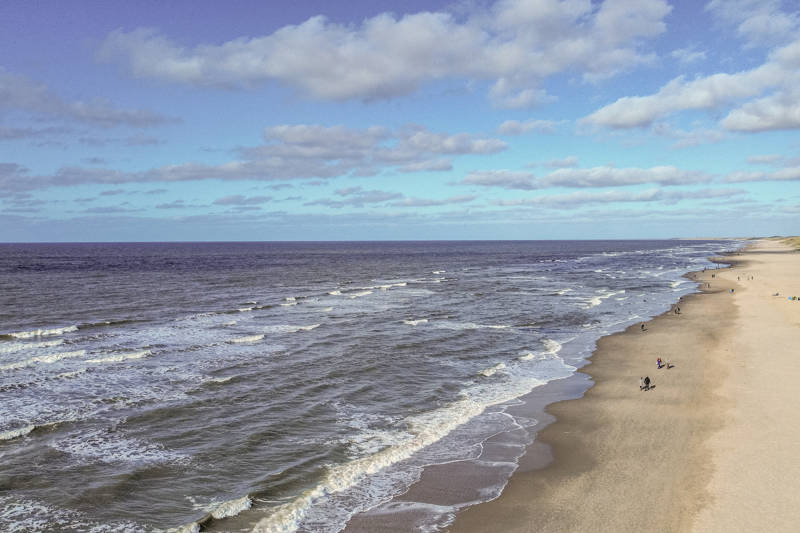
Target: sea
(289, 386)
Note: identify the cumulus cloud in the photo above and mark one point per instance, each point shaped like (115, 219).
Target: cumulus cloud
(516, 127)
(291, 152)
(784, 174)
(567, 162)
(780, 73)
(765, 159)
(505, 179)
(687, 138)
(757, 21)
(579, 198)
(688, 55)
(238, 199)
(430, 202)
(21, 93)
(778, 111)
(513, 44)
(586, 177)
(357, 197)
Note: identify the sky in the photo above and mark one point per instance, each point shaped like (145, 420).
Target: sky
(315, 120)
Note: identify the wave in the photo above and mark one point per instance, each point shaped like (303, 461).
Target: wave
(327, 309)
(492, 370)
(359, 294)
(19, 346)
(14, 433)
(423, 430)
(218, 510)
(438, 271)
(41, 332)
(526, 357)
(563, 291)
(245, 309)
(290, 299)
(415, 322)
(335, 293)
(43, 359)
(247, 338)
(121, 357)
(594, 301)
(552, 347)
(286, 328)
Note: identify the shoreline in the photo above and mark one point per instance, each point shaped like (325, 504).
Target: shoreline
(626, 460)
(617, 443)
(454, 483)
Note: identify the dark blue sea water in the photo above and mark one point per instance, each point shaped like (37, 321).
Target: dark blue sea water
(144, 387)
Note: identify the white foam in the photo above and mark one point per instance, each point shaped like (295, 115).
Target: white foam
(288, 304)
(526, 357)
(113, 447)
(563, 291)
(492, 370)
(594, 301)
(360, 294)
(248, 338)
(19, 346)
(43, 332)
(290, 299)
(416, 322)
(400, 284)
(286, 328)
(14, 433)
(121, 357)
(245, 309)
(232, 507)
(327, 309)
(48, 359)
(438, 271)
(553, 347)
(423, 430)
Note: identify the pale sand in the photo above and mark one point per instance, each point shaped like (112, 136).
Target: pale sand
(711, 448)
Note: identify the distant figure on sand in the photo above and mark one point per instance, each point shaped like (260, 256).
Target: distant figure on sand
(643, 328)
(659, 364)
(641, 383)
(647, 383)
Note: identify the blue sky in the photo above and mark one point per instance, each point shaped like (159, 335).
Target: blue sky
(314, 120)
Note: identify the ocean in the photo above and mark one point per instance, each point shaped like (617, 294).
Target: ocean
(280, 387)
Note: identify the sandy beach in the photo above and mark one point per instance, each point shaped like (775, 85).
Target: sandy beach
(710, 448)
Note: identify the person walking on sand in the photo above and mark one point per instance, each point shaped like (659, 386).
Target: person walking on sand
(647, 383)
(643, 328)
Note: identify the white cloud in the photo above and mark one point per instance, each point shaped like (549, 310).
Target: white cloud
(687, 138)
(784, 174)
(688, 55)
(765, 159)
(514, 44)
(586, 177)
(301, 151)
(778, 111)
(516, 127)
(238, 199)
(21, 93)
(506, 179)
(577, 199)
(712, 92)
(757, 21)
(567, 162)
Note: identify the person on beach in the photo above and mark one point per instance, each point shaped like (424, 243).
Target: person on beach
(647, 383)
(643, 328)
(659, 364)
(641, 383)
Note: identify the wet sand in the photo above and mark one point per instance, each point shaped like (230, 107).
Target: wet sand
(710, 448)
